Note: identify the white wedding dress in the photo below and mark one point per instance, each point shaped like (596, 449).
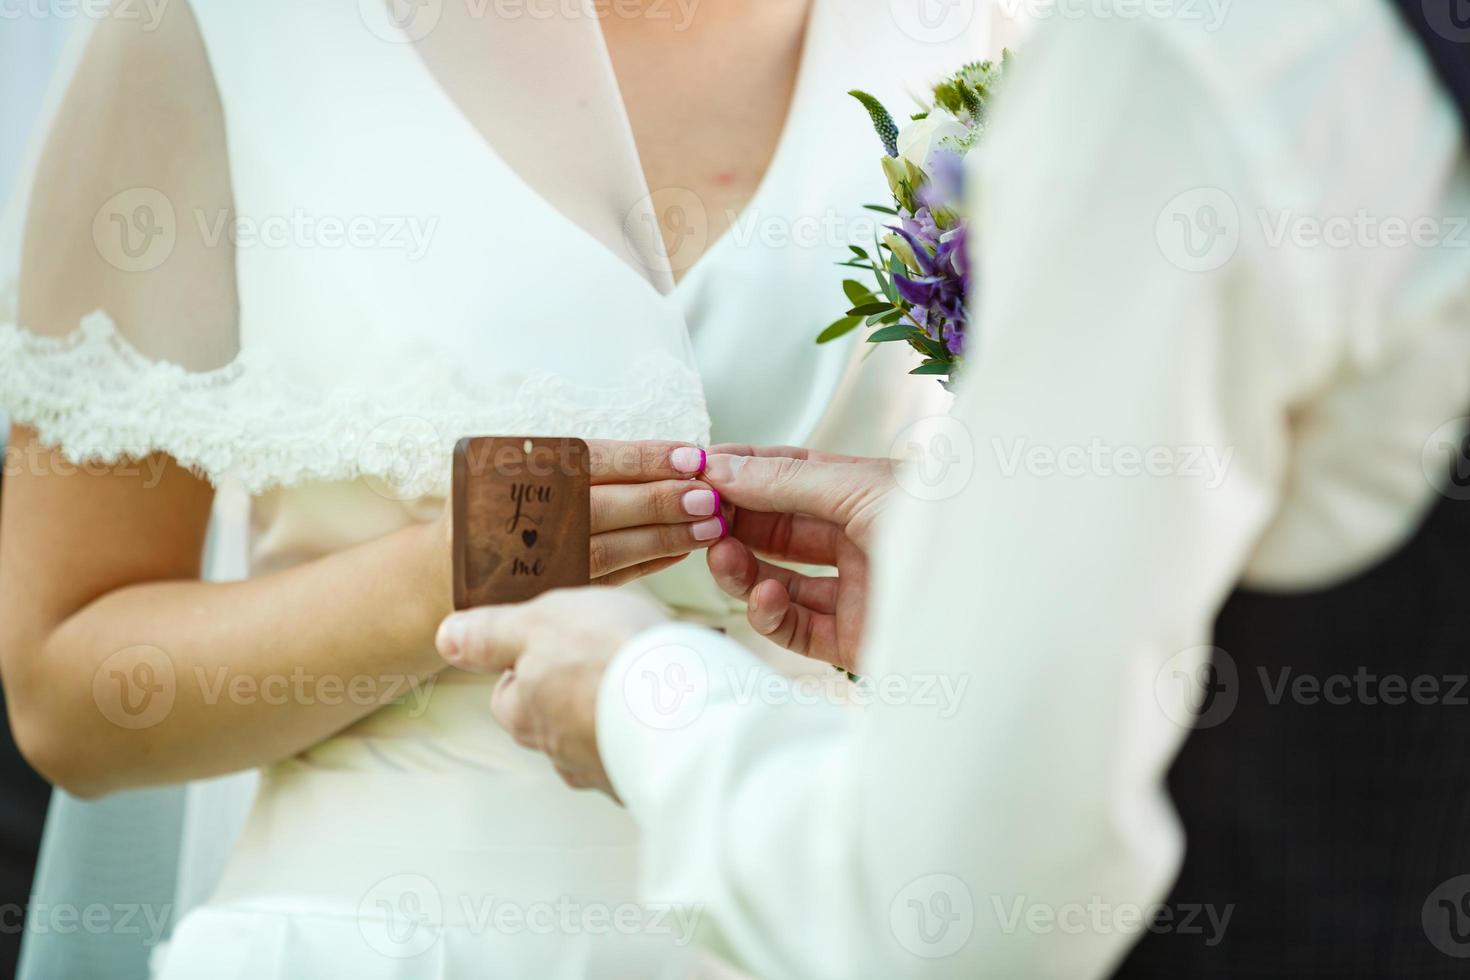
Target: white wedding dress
(506, 277)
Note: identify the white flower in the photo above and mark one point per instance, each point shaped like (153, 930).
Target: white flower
(922, 138)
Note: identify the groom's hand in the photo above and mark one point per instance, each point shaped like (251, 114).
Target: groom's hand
(554, 651)
(807, 508)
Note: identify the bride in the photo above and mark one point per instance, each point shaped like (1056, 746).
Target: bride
(298, 249)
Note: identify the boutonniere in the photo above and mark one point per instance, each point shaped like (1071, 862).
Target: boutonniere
(917, 273)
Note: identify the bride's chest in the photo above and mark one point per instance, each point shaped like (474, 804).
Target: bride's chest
(707, 106)
(373, 215)
(400, 232)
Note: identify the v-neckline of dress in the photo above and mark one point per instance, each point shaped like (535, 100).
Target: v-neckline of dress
(671, 286)
(784, 139)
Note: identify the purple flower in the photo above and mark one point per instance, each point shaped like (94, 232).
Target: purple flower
(954, 339)
(939, 290)
(921, 226)
(943, 281)
(946, 186)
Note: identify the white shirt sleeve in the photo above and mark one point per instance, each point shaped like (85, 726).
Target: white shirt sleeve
(1041, 612)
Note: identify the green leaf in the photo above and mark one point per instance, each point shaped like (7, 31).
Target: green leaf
(892, 316)
(930, 348)
(932, 368)
(868, 309)
(890, 289)
(890, 334)
(860, 252)
(881, 209)
(841, 328)
(857, 293)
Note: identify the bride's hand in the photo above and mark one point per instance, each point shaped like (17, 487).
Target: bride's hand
(650, 509)
(808, 508)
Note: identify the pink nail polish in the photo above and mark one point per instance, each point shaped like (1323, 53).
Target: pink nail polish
(710, 530)
(701, 503)
(688, 460)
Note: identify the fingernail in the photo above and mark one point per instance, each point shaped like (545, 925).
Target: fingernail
(702, 503)
(723, 467)
(710, 530)
(450, 638)
(687, 460)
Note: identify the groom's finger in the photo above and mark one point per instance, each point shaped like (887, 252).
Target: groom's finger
(734, 568)
(788, 537)
(508, 708)
(784, 452)
(774, 615)
(743, 449)
(739, 572)
(484, 640)
(830, 491)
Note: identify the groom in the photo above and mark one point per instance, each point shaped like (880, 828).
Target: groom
(1246, 244)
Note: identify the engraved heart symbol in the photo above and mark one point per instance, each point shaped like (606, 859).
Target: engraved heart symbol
(530, 538)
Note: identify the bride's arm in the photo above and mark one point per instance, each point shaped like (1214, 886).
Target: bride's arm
(100, 602)
(98, 567)
(123, 669)
(97, 562)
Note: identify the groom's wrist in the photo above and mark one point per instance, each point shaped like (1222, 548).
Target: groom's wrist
(654, 700)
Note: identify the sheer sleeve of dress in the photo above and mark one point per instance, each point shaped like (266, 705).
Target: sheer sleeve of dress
(116, 312)
(138, 313)
(116, 308)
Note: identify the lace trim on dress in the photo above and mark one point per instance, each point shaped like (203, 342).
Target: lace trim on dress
(91, 395)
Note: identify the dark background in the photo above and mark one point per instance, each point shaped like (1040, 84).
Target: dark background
(30, 45)
(23, 800)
